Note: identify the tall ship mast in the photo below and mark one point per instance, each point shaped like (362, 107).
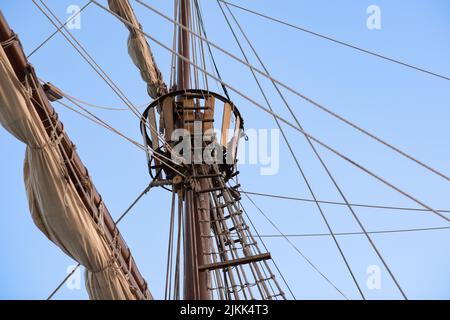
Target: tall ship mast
(221, 257)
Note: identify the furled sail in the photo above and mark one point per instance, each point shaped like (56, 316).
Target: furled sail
(56, 207)
(139, 49)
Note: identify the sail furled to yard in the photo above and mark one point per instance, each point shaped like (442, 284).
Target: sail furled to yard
(55, 205)
(139, 49)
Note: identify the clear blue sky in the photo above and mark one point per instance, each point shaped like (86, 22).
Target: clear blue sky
(403, 106)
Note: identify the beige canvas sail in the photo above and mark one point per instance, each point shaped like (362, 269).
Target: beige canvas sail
(139, 50)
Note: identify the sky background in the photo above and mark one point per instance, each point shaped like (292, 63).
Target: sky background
(403, 106)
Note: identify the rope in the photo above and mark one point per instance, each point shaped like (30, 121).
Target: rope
(58, 30)
(243, 232)
(265, 247)
(338, 41)
(297, 93)
(356, 233)
(96, 106)
(102, 123)
(295, 247)
(94, 65)
(174, 46)
(340, 203)
(63, 281)
(353, 213)
(295, 159)
(202, 49)
(202, 24)
(9, 42)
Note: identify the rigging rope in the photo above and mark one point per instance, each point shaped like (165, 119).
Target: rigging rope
(267, 250)
(202, 24)
(201, 44)
(356, 233)
(338, 41)
(96, 106)
(340, 203)
(94, 65)
(102, 123)
(169, 267)
(174, 47)
(376, 251)
(58, 30)
(98, 121)
(302, 173)
(33, 82)
(338, 188)
(296, 248)
(297, 93)
(286, 122)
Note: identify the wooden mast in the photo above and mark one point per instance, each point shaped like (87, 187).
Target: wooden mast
(195, 281)
(183, 76)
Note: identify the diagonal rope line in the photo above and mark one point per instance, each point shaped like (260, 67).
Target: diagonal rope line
(216, 69)
(340, 203)
(99, 122)
(302, 173)
(267, 250)
(346, 44)
(93, 64)
(356, 233)
(290, 89)
(338, 188)
(174, 46)
(100, 107)
(258, 105)
(85, 55)
(296, 248)
(122, 216)
(203, 31)
(92, 117)
(58, 30)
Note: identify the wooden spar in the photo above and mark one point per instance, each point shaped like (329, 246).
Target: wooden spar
(195, 281)
(76, 169)
(235, 262)
(183, 77)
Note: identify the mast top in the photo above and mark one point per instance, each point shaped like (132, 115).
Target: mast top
(183, 72)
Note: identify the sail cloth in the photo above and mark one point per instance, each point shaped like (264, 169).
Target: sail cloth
(139, 49)
(55, 205)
